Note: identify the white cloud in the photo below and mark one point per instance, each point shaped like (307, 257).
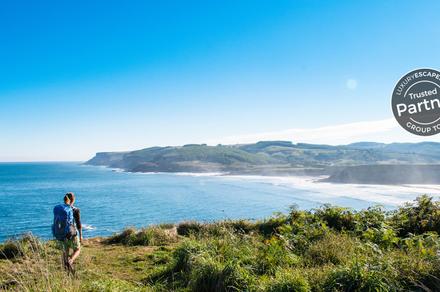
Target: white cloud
(385, 131)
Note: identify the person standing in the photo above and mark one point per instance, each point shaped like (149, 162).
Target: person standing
(67, 230)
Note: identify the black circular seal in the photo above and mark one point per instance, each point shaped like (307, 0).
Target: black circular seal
(416, 102)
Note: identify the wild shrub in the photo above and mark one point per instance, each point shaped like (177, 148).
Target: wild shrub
(420, 216)
(272, 255)
(224, 262)
(372, 217)
(424, 244)
(361, 276)
(10, 250)
(300, 237)
(333, 249)
(217, 229)
(207, 275)
(211, 275)
(287, 280)
(192, 228)
(166, 225)
(240, 226)
(178, 270)
(270, 226)
(183, 255)
(382, 236)
(26, 244)
(414, 271)
(189, 227)
(153, 236)
(338, 218)
(125, 237)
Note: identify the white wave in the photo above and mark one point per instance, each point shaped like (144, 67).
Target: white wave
(104, 167)
(394, 195)
(201, 174)
(391, 195)
(88, 227)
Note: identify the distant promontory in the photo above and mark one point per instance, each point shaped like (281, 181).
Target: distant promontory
(364, 162)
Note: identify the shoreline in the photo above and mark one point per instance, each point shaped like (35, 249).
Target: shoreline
(394, 195)
(317, 178)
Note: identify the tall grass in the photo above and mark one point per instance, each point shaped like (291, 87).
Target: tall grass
(150, 236)
(328, 249)
(31, 266)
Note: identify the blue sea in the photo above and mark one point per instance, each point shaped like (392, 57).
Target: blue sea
(112, 200)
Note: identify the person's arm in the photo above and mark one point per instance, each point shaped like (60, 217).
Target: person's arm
(78, 223)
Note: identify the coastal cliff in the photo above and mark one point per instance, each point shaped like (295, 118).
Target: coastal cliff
(365, 162)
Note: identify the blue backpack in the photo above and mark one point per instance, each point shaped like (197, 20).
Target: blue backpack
(62, 222)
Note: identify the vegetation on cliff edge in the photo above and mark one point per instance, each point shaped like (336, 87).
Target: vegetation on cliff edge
(327, 249)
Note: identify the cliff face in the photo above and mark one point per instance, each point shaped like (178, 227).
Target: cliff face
(110, 159)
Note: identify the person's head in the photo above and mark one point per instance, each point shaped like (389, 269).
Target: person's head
(66, 200)
(70, 198)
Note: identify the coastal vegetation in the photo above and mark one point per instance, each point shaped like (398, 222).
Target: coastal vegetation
(326, 249)
(365, 162)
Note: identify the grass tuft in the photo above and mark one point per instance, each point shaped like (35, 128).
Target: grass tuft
(150, 236)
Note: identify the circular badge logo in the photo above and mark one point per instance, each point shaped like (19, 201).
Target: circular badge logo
(416, 102)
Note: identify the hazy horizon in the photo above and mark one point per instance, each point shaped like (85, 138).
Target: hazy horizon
(244, 141)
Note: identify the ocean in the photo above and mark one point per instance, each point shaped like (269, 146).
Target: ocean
(111, 200)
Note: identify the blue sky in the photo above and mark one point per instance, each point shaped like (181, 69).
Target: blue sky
(81, 77)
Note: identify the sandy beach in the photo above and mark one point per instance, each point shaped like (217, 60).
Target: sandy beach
(391, 195)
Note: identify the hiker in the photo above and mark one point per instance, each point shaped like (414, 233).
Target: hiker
(67, 230)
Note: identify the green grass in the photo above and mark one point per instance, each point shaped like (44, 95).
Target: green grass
(150, 236)
(327, 249)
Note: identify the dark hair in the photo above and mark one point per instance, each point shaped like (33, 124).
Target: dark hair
(70, 197)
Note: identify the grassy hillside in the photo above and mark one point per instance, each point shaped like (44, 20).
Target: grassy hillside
(267, 157)
(328, 249)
